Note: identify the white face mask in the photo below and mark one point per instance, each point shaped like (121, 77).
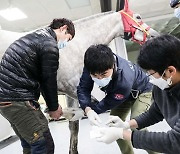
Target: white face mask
(102, 82)
(177, 12)
(160, 82)
(62, 44)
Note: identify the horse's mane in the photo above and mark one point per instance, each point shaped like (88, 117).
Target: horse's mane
(78, 22)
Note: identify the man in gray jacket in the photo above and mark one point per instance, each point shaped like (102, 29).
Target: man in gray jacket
(28, 67)
(161, 58)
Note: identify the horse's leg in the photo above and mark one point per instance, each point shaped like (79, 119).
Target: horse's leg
(74, 128)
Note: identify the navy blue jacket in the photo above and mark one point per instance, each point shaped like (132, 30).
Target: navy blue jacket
(127, 80)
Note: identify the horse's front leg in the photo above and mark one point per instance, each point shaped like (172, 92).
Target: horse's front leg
(74, 129)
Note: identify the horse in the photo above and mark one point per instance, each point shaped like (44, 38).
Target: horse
(100, 28)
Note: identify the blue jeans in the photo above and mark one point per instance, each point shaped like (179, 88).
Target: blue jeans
(45, 146)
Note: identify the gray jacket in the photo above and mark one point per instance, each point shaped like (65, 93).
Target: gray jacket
(166, 106)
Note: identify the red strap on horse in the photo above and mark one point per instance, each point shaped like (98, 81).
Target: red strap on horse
(131, 25)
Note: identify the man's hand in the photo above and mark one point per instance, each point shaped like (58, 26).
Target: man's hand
(93, 118)
(110, 134)
(56, 114)
(115, 121)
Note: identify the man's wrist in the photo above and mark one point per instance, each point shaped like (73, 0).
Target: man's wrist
(127, 135)
(53, 108)
(133, 123)
(126, 125)
(87, 109)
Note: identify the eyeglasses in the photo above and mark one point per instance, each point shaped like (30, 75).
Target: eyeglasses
(150, 74)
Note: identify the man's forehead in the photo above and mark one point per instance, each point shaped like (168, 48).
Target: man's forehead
(102, 73)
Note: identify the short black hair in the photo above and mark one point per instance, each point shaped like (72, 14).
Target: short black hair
(159, 53)
(57, 23)
(98, 58)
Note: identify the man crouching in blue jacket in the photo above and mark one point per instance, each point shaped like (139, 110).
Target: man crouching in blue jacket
(126, 87)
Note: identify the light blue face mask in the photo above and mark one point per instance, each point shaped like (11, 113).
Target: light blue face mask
(102, 82)
(177, 12)
(62, 44)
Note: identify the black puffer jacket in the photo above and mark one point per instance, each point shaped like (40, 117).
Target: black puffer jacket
(29, 66)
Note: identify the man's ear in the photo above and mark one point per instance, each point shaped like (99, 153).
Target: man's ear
(63, 28)
(171, 70)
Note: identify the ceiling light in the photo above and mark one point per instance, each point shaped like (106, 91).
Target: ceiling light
(12, 14)
(77, 3)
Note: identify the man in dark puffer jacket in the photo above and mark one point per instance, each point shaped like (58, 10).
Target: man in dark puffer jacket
(28, 67)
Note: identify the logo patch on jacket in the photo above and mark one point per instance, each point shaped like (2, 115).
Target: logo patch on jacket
(118, 96)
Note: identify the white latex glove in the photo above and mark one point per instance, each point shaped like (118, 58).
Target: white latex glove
(94, 133)
(94, 118)
(109, 134)
(115, 121)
